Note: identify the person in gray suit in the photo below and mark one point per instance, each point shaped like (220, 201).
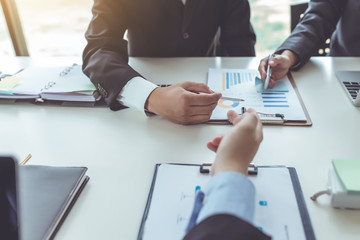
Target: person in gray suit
(323, 18)
(162, 28)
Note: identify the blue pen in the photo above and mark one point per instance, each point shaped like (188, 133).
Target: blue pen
(199, 198)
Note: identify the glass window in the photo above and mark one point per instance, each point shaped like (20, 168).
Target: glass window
(271, 22)
(6, 47)
(57, 27)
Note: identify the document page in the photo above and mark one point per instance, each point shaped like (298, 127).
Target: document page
(62, 83)
(244, 88)
(276, 208)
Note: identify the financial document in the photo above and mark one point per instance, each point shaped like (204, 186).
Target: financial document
(276, 207)
(244, 88)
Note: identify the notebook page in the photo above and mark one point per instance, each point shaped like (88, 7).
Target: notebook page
(53, 79)
(34, 79)
(71, 79)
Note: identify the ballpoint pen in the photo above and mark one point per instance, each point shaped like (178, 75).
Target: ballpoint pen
(232, 99)
(268, 72)
(199, 202)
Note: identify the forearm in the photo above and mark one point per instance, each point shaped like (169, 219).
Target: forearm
(314, 28)
(292, 57)
(135, 93)
(229, 193)
(105, 57)
(108, 72)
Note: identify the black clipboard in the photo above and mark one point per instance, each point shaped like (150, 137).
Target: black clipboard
(304, 214)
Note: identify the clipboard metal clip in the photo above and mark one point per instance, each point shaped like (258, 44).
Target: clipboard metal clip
(205, 168)
(275, 118)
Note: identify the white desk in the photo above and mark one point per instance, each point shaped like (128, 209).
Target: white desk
(121, 148)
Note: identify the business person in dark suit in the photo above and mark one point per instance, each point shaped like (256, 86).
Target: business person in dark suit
(229, 210)
(323, 18)
(162, 28)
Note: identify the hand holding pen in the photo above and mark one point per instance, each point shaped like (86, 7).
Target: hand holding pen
(276, 67)
(268, 71)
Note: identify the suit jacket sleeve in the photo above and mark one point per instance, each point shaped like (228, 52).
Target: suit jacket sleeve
(105, 57)
(318, 23)
(224, 226)
(237, 35)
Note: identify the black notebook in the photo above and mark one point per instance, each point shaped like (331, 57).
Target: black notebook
(36, 199)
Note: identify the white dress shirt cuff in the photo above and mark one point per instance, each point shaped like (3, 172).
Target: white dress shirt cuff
(135, 93)
(229, 193)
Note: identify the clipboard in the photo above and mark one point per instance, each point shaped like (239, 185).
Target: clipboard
(308, 119)
(304, 224)
(280, 121)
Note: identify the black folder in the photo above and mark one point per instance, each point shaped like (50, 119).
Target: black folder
(35, 200)
(46, 196)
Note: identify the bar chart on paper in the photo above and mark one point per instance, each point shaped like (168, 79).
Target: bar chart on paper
(230, 79)
(243, 88)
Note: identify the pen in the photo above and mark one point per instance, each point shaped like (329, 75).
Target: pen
(233, 99)
(268, 72)
(26, 160)
(199, 199)
(4, 75)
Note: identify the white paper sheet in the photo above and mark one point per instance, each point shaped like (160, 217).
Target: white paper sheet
(237, 83)
(276, 209)
(38, 80)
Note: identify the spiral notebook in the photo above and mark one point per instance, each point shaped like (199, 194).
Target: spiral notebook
(49, 83)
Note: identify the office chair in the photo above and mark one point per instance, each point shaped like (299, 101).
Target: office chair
(14, 26)
(297, 13)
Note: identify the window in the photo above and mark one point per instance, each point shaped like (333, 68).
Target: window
(57, 27)
(271, 22)
(6, 47)
(53, 28)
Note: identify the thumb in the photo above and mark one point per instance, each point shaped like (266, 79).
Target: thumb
(277, 60)
(234, 118)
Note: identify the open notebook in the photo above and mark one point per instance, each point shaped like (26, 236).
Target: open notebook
(49, 83)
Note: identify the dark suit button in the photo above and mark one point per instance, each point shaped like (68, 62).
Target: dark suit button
(102, 90)
(186, 35)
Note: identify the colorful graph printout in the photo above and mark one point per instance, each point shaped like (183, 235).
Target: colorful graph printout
(228, 104)
(246, 85)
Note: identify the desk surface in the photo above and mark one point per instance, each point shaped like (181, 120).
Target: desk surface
(121, 148)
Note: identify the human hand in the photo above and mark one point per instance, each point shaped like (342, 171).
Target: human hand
(236, 149)
(280, 65)
(184, 103)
